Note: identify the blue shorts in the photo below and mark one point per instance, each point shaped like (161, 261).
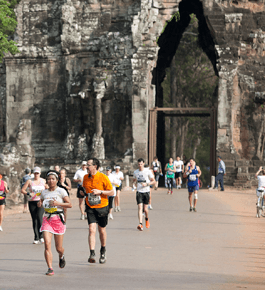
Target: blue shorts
(193, 188)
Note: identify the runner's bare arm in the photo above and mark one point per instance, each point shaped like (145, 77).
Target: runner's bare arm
(199, 171)
(257, 173)
(105, 192)
(6, 187)
(66, 204)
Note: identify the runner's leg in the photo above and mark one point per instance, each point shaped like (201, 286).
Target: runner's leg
(48, 249)
(59, 244)
(195, 200)
(190, 198)
(2, 207)
(146, 210)
(140, 213)
(102, 236)
(81, 205)
(92, 236)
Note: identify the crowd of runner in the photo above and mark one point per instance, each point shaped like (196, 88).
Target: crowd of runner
(98, 193)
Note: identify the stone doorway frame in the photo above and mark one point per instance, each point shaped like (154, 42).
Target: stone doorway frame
(183, 112)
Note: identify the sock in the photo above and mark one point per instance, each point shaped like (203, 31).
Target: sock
(141, 223)
(103, 250)
(146, 219)
(92, 252)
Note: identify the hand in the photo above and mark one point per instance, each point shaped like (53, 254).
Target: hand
(54, 203)
(260, 168)
(144, 184)
(96, 192)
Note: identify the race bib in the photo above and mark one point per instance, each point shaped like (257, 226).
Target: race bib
(1, 195)
(170, 172)
(2, 192)
(94, 200)
(155, 169)
(47, 207)
(193, 177)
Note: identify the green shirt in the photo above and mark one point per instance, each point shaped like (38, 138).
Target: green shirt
(170, 174)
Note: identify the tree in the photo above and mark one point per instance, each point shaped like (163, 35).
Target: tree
(8, 25)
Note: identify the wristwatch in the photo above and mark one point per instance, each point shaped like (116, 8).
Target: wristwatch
(101, 192)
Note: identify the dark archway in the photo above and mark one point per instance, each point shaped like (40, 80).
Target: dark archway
(168, 43)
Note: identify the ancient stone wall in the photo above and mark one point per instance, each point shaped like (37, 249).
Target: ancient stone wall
(90, 70)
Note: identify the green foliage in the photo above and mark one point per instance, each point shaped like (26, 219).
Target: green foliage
(7, 27)
(177, 18)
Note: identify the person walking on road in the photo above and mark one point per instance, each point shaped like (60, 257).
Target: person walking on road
(65, 183)
(170, 169)
(261, 178)
(119, 175)
(142, 179)
(3, 190)
(98, 188)
(220, 175)
(192, 173)
(79, 175)
(24, 179)
(53, 200)
(35, 186)
(157, 168)
(179, 170)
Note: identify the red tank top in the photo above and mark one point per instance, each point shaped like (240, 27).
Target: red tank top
(2, 190)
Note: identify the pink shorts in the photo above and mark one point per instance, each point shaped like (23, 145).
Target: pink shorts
(53, 225)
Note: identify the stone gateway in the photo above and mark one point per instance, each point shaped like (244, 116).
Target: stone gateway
(105, 60)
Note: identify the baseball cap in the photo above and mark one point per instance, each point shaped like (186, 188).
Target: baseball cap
(108, 168)
(84, 163)
(36, 170)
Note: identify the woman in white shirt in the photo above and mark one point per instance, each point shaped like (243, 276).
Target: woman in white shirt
(54, 200)
(119, 177)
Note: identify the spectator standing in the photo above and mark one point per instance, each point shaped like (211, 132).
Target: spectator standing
(220, 175)
(120, 177)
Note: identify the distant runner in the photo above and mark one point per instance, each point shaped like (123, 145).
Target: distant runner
(179, 170)
(157, 168)
(192, 173)
(3, 190)
(170, 170)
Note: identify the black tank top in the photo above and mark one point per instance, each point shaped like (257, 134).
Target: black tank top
(60, 185)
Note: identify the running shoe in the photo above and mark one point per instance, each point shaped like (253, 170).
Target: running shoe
(62, 262)
(118, 208)
(147, 224)
(150, 206)
(1, 229)
(82, 217)
(168, 192)
(171, 191)
(50, 272)
(92, 258)
(191, 208)
(115, 209)
(194, 209)
(140, 227)
(155, 188)
(111, 216)
(41, 241)
(102, 258)
(36, 242)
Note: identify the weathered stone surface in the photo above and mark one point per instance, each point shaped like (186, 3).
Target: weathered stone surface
(76, 52)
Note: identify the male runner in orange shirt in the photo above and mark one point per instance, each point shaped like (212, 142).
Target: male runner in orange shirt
(98, 188)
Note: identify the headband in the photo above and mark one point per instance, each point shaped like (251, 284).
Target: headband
(117, 167)
(52, 173)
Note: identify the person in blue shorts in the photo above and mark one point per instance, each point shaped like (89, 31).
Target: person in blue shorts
(192, 173)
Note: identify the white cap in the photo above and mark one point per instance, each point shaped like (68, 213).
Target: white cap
(84, 163)
(36, 170)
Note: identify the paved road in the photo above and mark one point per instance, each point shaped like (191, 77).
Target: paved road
(181, 250)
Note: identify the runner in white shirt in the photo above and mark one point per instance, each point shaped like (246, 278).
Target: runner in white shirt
(119, 176)
(114, 183)
(142, 179)
(179, 170)
(79, 176)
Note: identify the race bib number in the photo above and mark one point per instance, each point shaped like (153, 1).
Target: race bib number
(47, 207)
(170, 172)
(155, 169)
(1, 192)
(94, 200)
(193, 177)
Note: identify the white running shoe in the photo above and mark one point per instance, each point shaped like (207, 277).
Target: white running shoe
(1, 229)
(82, 217)
(150, 206)
(111, 216)
(36, 242)
(115, 209)
(42, 241)
(118, 208)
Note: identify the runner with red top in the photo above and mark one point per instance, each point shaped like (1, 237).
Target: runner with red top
(142, 179)
(3, 190)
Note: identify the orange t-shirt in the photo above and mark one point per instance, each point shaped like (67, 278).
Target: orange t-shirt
(98, 181)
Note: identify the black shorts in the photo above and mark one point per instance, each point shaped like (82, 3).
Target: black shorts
(97, 215)
(78, 194)
(142, 197)
(178, 174)
(2, 201)
(119, 188)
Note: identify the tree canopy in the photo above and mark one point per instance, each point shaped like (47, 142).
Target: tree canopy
(8, 25)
